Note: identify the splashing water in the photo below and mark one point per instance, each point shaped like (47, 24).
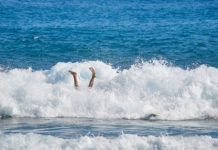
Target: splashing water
(147, 88)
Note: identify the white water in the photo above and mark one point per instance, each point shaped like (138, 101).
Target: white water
(123, 142)
(171, 92)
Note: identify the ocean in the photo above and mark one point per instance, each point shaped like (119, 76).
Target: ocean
(156, 84)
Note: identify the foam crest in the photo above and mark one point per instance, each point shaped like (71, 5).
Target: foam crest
(146, 88)
(123, 142)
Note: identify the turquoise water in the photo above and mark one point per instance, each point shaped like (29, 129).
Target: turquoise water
(156, 63)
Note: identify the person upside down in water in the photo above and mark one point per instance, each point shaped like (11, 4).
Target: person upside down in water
(91, 82)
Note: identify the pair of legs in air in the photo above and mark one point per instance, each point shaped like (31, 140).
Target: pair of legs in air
(91, 82)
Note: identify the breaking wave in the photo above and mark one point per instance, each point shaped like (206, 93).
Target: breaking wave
(153, 89)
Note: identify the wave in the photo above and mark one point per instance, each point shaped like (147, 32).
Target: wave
(123, 142)
(147, 89)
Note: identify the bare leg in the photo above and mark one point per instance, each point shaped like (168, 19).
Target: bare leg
(74, 74)
(91, 82)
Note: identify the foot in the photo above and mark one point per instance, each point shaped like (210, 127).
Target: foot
(73, 73)
(93, 71)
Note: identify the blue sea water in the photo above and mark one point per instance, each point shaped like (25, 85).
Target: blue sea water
(41, 33)
(156, 64)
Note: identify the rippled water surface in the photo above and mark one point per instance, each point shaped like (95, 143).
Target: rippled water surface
(41, 33)
(77, 127)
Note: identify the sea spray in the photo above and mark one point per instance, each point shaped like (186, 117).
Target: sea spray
(122, 142)
(170, 92)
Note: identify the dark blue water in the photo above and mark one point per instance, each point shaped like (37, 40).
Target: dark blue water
(40, 33)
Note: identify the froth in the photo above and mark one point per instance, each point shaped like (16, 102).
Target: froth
(123, 142)
(147, 88)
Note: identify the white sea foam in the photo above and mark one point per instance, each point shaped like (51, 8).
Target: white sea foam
(123, 142)
(150, 87)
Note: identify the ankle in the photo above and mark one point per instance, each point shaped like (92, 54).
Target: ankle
(94, 75)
